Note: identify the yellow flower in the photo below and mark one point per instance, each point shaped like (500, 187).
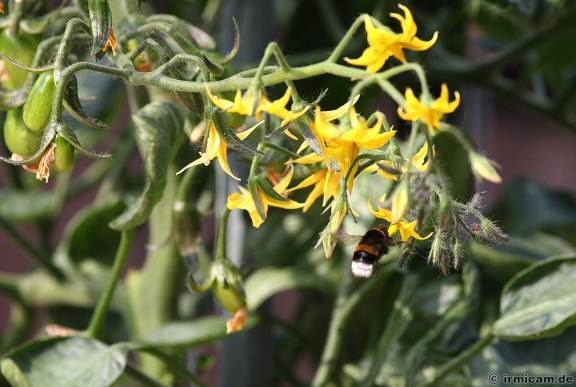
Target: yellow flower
(326, 182)
(406, 229)
(430, 114)
(252, 104)
(244, 200)
(216, 147)
(383, 44)
(418, 162)
(345, 146)
(409, 39)
(400, 201)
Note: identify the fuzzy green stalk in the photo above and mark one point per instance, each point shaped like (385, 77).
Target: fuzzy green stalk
(97, 322)
(344, 307)
(328, 361)
(220, 251)
(395, 326)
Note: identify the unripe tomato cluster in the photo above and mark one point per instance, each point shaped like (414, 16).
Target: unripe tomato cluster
(24, 126)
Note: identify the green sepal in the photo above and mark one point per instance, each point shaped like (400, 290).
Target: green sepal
(100, 24)
(215, 115)
(215, 69)
(253, 189)
(74, 107)
(65, 131)
(265, 186)
(194, 287)
(12, 99)
(232, 54)
(308, 133)
(186, 31)
(256, 183)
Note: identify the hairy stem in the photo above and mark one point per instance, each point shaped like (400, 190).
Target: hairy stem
(99, 316)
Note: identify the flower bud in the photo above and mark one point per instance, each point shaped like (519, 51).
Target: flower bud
(436, 249)
(458, 255)
(493, 231)
(484, 168)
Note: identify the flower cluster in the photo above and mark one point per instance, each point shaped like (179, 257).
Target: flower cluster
(335, 146)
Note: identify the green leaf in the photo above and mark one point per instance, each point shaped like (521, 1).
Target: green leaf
(25, 206)
(64, 362)
(528, 206)
(11, 99)
(518, 253)
(554, 356)
(266, 282)
(67, 132)
(194, 333)
(88, 236)
(539, 301)
(454, 161)
(159, 128)
(82, 289)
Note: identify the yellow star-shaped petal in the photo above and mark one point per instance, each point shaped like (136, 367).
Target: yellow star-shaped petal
(215, 147)
(431, 113)
(382, 44)
(244, 200)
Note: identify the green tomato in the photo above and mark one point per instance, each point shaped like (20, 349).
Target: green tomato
(18, 138)
(20, 48)
(39, 104)
(227, 286)
(63, 155)
(228, 296)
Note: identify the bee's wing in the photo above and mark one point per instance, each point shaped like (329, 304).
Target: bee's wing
(347, 239)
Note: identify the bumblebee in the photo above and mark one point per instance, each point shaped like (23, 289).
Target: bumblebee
(371, 247)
